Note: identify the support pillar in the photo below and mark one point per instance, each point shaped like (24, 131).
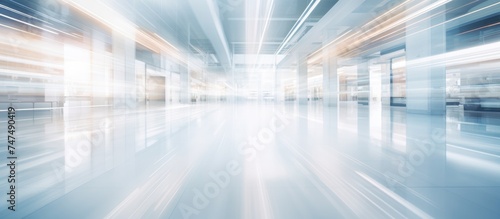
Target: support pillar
(166, 68)
(363, 72)
(386, 84)
(99, 116)
(375, 108)
(363, 82)
(426, 99)
(98, 68)
(426, 81)
(185, 85)
(330, 80)
(124, 98)
(302, 81)
(124, 89)
(277, 82)
(330, 96)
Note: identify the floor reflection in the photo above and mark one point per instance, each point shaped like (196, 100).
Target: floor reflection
(256, 161)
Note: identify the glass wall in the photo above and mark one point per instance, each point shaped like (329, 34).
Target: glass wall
(348, 83)
(175, 88)
(140, 73)
(315, 82)
(398, 81)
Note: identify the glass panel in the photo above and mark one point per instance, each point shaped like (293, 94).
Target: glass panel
(77, 72)
(398, 69)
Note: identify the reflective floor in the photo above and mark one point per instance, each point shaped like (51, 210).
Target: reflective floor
(255, 161)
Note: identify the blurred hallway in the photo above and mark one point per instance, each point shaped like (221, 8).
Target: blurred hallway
(252, 109)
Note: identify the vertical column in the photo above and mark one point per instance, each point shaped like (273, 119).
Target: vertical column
(363, 82)
(165, 66)
(124, 92)
(363, 71)
(302, 80)
(386, 84)
(185, 73)
(426, 81)
(98, 68)
(280, 90)
(386, 103)
(55, 10)
(330, 96)
(124, 97)
(330, 79)
(375, 82)
(426, 100)
(99, 116)
(277, 81)
(231, 95)
(259, 89)
(185, 84)
(375, 104)
(301, 103)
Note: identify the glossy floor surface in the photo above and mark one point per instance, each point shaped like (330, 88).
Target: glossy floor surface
(255, 161)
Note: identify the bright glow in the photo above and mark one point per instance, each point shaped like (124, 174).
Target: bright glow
(478, 54)
(268, 19)
(399, 64)
(106, 15)
(76, 72)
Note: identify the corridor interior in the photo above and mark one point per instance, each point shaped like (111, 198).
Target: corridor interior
(252, 109)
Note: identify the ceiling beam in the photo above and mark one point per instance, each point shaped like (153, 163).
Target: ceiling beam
(207, 15)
